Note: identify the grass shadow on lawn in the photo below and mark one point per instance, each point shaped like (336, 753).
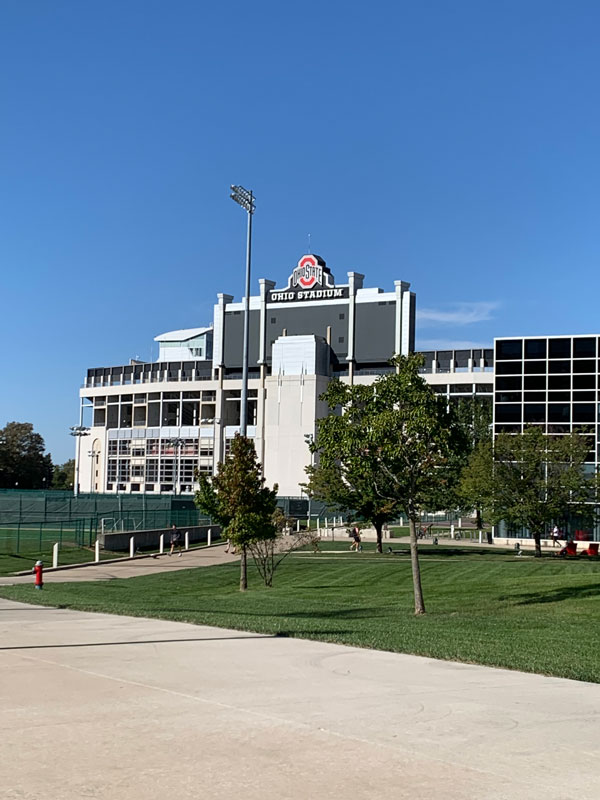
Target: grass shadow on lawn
(557, 595)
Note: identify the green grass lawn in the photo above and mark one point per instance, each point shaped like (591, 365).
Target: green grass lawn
(17, 562)
(484, 607)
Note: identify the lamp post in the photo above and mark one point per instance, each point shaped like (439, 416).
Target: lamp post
(177, 444)
(245, 199)
(91, 454)
(78, 431)
(310, 440)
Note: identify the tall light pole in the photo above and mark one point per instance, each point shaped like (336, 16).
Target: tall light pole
(91, 454)
(310, 440)
(78, 431)
(177, 443)
(245, 199)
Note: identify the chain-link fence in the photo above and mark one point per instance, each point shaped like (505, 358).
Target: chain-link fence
(21, 537)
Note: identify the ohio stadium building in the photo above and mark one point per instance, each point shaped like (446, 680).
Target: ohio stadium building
(153, 424)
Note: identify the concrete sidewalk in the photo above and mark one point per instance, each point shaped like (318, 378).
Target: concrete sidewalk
(131, 568)
(119, 708)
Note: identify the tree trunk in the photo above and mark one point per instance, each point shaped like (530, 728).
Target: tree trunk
(244, 570)
(538, 545)
(378, 531)
(416, 572)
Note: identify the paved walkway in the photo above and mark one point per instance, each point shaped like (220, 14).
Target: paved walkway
(130, 568)
(119, 708)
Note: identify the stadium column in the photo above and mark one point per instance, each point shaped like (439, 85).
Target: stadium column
(265, 287)
(355, 282)
(403, 318)
(219, 365)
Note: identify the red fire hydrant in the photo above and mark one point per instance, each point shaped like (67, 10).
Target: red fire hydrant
(39, 574)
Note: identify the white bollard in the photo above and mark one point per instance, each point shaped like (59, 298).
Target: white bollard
(297, 526)
(55, 555)
(187, 540)
(480, 537)
(452, 530)
(161, 544)
(209, 537)
(131, 546)
(97, 551)
(460, 522)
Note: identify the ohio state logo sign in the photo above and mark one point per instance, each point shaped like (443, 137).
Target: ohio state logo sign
(310, 280)
(310, 273)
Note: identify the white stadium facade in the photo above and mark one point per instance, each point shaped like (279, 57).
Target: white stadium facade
(153, 424)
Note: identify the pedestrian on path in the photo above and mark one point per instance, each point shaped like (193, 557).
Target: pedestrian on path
(175, 540)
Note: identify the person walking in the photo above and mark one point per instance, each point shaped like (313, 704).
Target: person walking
(175, 540)
(555, 536)
(356, 544)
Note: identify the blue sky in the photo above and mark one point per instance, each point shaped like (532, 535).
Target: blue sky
(450, 144)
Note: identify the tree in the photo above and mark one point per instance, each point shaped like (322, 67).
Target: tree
(474, 416)
(63, 476)
(269, 553)
(238, 500)
(532, 480)
(22, 459)
(386, 452)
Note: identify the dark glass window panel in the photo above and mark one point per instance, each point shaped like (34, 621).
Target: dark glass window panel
(508, 429)
(99, 417)
(534, 412)
(559, 428)
(584, 412)
(509, 413)
(559, 413)
(534, 382)
(112, 417)
(171, 395)
(584, 366)
(461, 388)
(509, 349)
(584, 348)
(559, 382)
(153, 415)
(584, 396)
(584, 381)
(535, 367)
(559, 348)
(154, 396)
(558, 367)
(535, 348)
(508, 384)
(484, 388)
(508, 397)
(559, 396)
(509, 368)
(535, 397)
(170, 414)
(190, 413)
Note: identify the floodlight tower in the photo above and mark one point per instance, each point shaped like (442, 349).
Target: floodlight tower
(245, 199)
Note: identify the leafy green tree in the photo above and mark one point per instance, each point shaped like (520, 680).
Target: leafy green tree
(23, 462)
(63, 476)
(473, 415)
(386, 452)
(238, 500)
(532, 480)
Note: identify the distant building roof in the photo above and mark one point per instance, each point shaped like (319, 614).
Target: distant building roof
(182, 335)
